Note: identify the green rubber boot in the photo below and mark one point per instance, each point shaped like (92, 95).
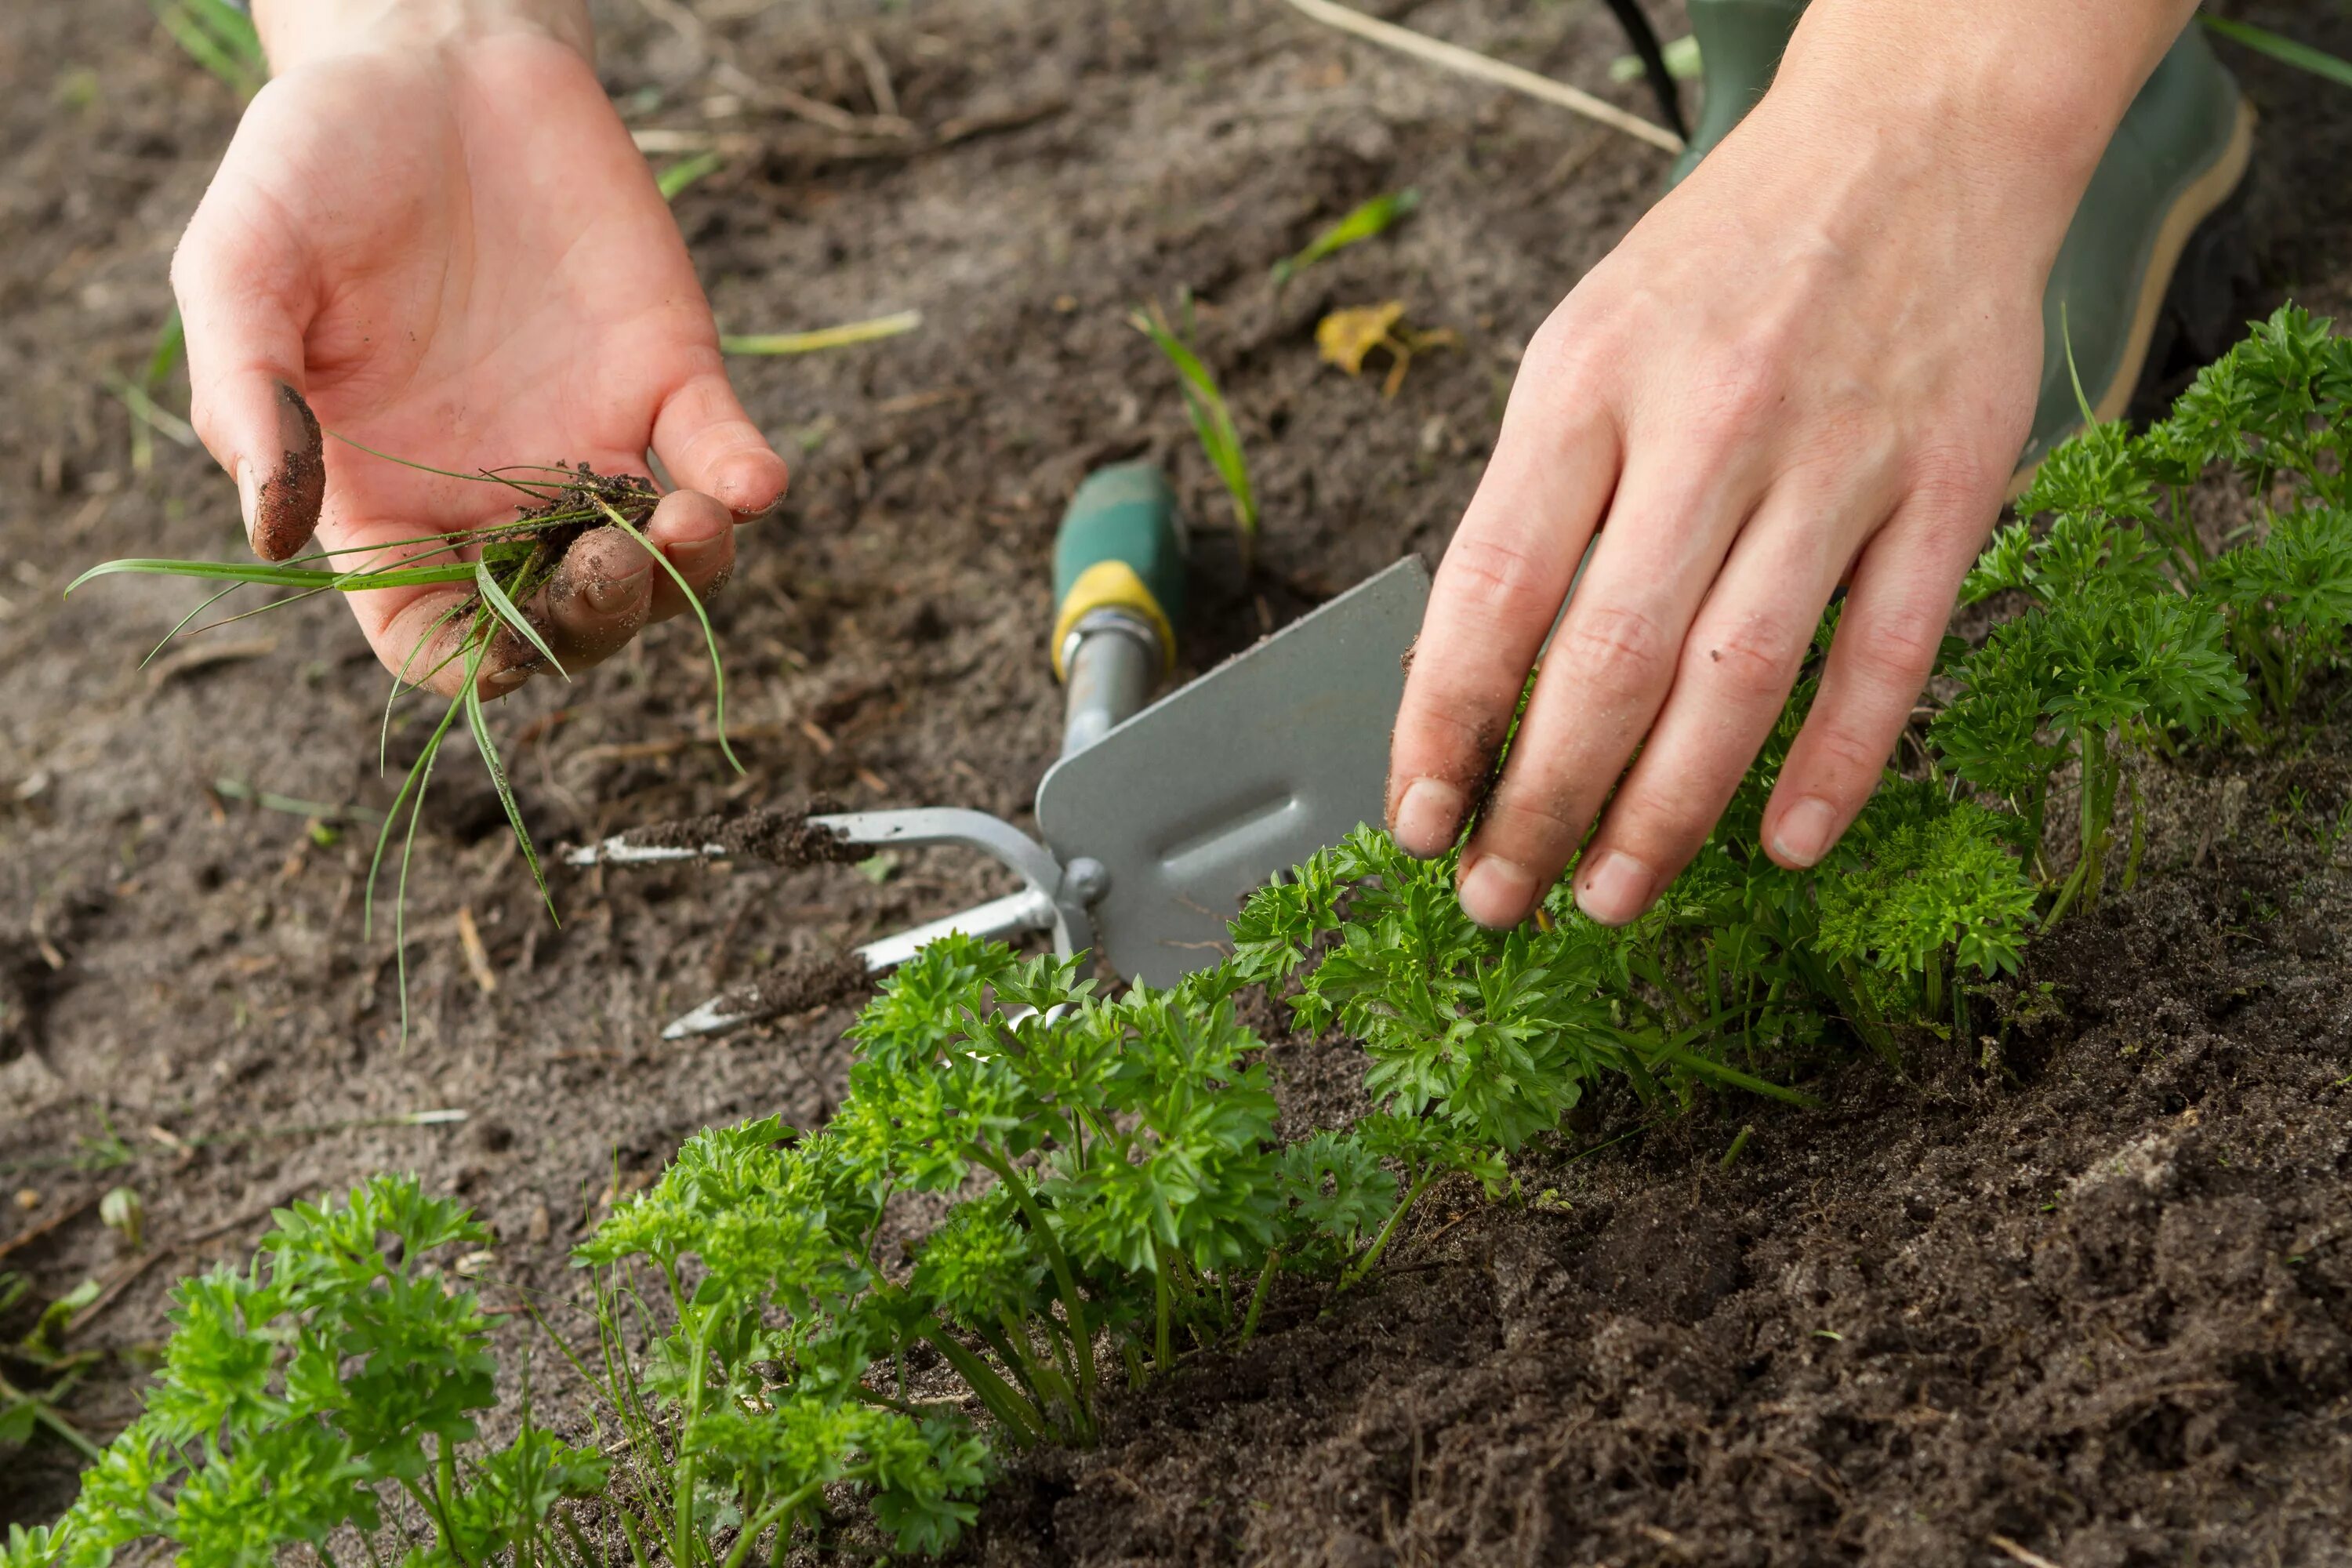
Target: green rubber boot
(2177, 157)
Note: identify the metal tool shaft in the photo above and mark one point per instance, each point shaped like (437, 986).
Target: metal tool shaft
(1111, 661)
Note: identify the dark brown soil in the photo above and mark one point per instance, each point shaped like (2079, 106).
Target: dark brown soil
(2086, 1288)
(2070, 1314)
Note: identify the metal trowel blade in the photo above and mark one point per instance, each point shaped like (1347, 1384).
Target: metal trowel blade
(1201, 799)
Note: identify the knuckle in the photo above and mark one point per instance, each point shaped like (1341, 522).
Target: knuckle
(1493, 577)
(1571, 344)
(1740, 397)
(1897, 654)
(1537, 831)
(1617, 650)
(1846, 754)
(1949, 480)
(1754, 662)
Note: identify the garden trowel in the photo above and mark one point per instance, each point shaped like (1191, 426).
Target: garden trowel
(1158, 820)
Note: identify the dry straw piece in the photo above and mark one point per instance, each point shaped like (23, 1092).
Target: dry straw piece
(1469, 62)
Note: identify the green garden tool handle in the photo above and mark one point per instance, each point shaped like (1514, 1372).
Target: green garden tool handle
(1121, 548)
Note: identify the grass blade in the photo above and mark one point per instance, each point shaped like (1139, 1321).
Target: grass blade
(684, 172)
(1213, 420)
(481, 724)
(842, 336)
(709, 637)
(419, 771)
(486, 584)
(391, 700)
(278, 576)
(171, 346)
(144, 410)
(219, 37)
(182, 624)
(237, 789)
(2303, 56)
(1373, 218)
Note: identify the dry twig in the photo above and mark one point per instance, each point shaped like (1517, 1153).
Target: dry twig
(1469, 62)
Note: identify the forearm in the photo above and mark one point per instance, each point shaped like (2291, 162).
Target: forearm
(2008, 103)
(296, 30)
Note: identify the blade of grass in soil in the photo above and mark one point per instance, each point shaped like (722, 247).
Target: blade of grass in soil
(1212, 419)
(2285, 51)
(1369, 221)
(684, 172)
(218, 37)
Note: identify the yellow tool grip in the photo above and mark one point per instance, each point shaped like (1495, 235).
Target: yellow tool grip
(1111, 584)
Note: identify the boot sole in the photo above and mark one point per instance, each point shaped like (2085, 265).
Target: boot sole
(2197, 201)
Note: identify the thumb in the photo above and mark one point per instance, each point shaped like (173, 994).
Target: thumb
(244, 320)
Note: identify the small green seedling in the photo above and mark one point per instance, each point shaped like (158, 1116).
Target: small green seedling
(124, 1211)
(1369, 221)
(2303, 56)
(1204, 405)
(218, 37)
(2140, 634)
(686, 171)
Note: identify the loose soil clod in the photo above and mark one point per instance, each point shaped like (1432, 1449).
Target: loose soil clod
(785, 838)
(797, 987)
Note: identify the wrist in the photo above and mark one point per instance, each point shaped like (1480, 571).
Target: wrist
(295, 31)
(2006, 115)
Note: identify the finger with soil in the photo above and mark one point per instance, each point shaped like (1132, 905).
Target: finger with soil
(601, 596)
(281, 511)
(420, 641)
(245, 353)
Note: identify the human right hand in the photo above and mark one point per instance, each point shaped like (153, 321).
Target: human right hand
(1815, 360)
(433, 230)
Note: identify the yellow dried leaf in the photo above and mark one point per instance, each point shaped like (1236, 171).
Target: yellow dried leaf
(1345, 337)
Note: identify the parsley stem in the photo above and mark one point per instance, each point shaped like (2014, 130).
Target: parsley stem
(1257, 1296)
(698, 1363)
(1020, 1422)
(752, 1530)
(1379, 1243)
(1081, 1340)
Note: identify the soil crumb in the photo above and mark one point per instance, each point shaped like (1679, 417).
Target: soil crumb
(786, 839)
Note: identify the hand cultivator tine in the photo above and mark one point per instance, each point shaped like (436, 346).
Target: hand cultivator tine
(618, 850)
(1055, 900)
(790, 991)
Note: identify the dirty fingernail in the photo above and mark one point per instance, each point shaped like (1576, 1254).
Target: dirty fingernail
(249, 494)
(1498, 893)
(283, 509)
(1428, 815)
(613, 594)
(499, 683)
(1805, 830)
(1616, 889)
